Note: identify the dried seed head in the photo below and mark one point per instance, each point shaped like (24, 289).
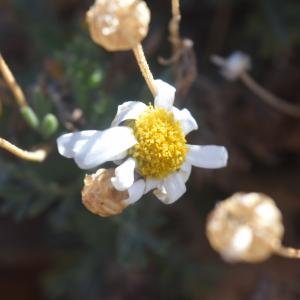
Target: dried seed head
(118, 24)
(100, 197)
(245, 227)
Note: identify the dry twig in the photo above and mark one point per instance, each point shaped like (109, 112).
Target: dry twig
(38, 155)
(12, 83)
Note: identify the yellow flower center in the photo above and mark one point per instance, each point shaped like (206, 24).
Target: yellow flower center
(161, 147)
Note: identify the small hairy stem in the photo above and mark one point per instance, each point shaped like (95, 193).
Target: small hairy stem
(38, 155)
(11, 82)
(144, 67)
(272, 100)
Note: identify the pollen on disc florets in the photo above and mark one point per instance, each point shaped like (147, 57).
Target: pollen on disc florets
(161, 147)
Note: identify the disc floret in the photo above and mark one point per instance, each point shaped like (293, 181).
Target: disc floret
(161, 147)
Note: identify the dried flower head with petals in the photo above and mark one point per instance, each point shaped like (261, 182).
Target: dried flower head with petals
(101, 198)
(149, 144)
(245, 227)
(119, 24)
(232, 67)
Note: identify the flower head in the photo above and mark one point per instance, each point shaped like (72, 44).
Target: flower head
(245, 227)
(148, 143)
(100, 197)
(118, 24)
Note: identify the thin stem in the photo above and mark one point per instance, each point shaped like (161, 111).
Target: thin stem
(144, 67)
(11, 82)
(174, 38)
(272, 100)
(288, 252)
(38, 155)
(282, 250)
(175, 23)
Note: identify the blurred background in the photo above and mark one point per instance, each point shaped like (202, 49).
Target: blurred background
(52, 247)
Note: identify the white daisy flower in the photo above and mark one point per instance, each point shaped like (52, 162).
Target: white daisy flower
(148, 143)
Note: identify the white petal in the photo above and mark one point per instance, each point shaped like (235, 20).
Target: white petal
(118, 159)
(96, 147)
(151, 184)
(128, 111)
(105, 147)
(161, 194)
(173, 188)
(185, 171)
(165, 95)
(70, 143)
(210, 157)
(124, 175)
(135, 192)
(187, 122)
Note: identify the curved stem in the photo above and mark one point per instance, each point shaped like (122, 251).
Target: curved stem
(38, 155)
(272, 100)
(11, 82)
(174, 38)
(144, 67)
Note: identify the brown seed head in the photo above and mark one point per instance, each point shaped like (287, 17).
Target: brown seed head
(100, 197)
(245, 227)
(118, 24)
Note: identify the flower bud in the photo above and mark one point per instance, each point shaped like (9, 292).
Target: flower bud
(118, 24)
(100, 197)
(49, 125)
(233, 66)
(245, 227)
(30, 116)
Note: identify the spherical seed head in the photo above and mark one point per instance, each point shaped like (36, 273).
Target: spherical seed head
(118, 24)
(100, 197)
(245, 227)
